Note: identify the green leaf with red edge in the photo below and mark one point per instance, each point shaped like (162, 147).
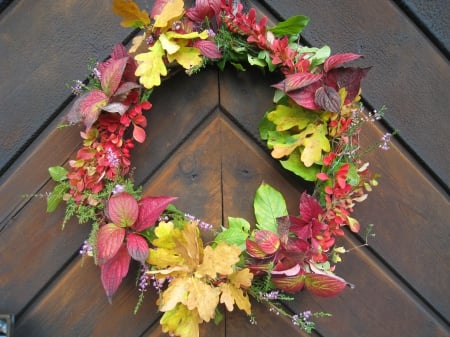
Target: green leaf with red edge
(112, 75)
(268, 241)
(335, 61)
(109, 240)
(328, 99)
(91, 106)
(139, 134)
(137, 247)
(114, 270)
(289, 284)
(123, 209)
(150, 208)
(324, 285)
(254, 250)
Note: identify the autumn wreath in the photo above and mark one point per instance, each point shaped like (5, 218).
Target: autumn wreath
(312, 129)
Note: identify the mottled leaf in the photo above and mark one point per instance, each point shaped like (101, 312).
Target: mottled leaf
(91, 106)
(289, 284)
(268, 241)
(314, 144)
(112, 75)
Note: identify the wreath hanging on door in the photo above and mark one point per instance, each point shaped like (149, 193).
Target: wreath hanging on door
(312, 129)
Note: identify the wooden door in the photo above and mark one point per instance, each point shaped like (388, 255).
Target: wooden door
(203, 147)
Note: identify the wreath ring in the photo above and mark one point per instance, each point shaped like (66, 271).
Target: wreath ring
(312, 129)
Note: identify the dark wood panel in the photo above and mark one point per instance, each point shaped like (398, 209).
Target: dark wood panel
(409, 75)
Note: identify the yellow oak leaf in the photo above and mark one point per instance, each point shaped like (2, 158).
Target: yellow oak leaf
(190, 245)
(169, 45)
(286, 117)
(151, 66)
(281, 150)
(166, 235)
(241, 278)
(180, 321)
(202, 297)
(187, 57)
(163, 258)
(173, 10)
(176, 292)
(219, 260)
(314, 144)
(132, 15)
(231, 295)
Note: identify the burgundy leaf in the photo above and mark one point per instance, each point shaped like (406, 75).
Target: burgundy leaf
(348, 78)
(324, 285)
(294, 246)
(150, 208)
(305, 97)
(328, 99)
(109, 240)
(116, 107)
(300, 80)
(112, 75)
(336, 60)
(123, 209)
(139, 134)
(268, 241)
(137, 247)
(91, 106)
(208, 49)
(289, 284)
(309, 207)
(254, 250)
(114, 270)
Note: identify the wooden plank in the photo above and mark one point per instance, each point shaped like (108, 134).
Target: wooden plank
(380, 303)
(409, 75)
(44, 45)
(50, 247)
(406, 211)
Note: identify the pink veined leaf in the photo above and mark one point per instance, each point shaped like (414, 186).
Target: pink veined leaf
(289, 284)
(309, 207)
(123, 209)
(137, 247)
(300, 80)
(91, 105)
(114, 270)
(139, 134)
(336, 60)
(109, 240)
(324, 285)
(208, 49)
(150, 208)
(328, 99)
(254, 250)
(268, 241)
(119, 52)
(112, 75)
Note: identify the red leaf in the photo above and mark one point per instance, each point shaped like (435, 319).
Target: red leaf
(123, 209)
(112, 75)
(289, 284)
(137, 247)
(119, 52)
(202, 9)
(305, 97)
(254, 250)
(348, 78)
(324, 285)
(328, 99)
(158, 6)
(109, 240)
(268, 241)
(322, 176)
(114, 270)
(150, 208)
(139, 134)
(300, 80)
(208, 49)
(309, 207)
(91, 106)
(336, 60)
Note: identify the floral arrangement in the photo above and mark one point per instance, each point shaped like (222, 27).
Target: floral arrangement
(312, 129)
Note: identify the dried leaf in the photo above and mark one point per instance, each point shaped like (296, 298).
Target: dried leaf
(231, 295)
(219, 260)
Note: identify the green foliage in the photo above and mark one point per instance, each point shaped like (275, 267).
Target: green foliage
(236, 233)
(269, 204)
(292, 26)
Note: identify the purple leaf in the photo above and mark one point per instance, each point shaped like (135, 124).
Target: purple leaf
(328, 99)
(348, 78)
(123, 209)
(109, 240)
(305, 97)
(150, 208)
(114, 270)
(137, 247)
(74, 115)
(125, 88)
(336, 60)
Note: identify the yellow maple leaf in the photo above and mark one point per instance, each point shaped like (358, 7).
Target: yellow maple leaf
(173, 10)
(132, 15)
(241, 278)
(166, 235)
(176, 292)
(203, 298)
(151, 66)
(219, 260)
(180, 321)
(231, 295)
(190, 245)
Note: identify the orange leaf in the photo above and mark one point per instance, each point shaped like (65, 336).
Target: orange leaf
(131, 14)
